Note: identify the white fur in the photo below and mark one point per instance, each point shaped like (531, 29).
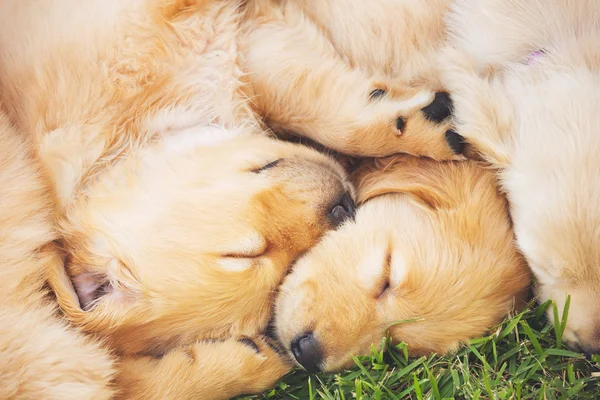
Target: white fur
(539, 124)
(191, 138)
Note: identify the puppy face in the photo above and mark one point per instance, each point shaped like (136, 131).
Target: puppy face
(556, 213)
(182, 241)
(431, 246)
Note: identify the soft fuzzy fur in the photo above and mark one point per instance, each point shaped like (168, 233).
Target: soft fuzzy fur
(536, 119)
(432, 243)
(42, 358)
(313, 65)
(179, 217)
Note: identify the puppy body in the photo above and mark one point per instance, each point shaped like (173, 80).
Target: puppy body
(41, 356)
(107, 76)
(178, 215)
(526, 95)
(430, 259)
(356, 77)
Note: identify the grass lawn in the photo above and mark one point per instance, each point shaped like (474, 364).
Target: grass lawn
(523, 359)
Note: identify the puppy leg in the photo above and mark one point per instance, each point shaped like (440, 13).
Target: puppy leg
(42, 358)
(301, 85)
(482, 112)
(205, 370)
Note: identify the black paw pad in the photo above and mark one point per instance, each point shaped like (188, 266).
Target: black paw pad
(400, 124)
(250, 343)
(440, 108)
(455, 141)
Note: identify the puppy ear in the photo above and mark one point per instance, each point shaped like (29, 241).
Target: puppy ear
(80, 289)
(418, 178)
(115, 283)
(90, 288)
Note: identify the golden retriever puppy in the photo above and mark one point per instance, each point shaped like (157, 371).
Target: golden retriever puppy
(42, 358)
(355, 76)
(179, 216)
(430, 259)
(525, 76)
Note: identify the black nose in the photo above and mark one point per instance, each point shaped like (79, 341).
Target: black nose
(589, 351)
(307, 352)
(440, 108)
(342, 210)
(455, 141)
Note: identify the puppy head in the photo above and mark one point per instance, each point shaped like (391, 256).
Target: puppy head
(554, 192)
(538, 123)
(429, 259)
(556, 213)
(180, 241)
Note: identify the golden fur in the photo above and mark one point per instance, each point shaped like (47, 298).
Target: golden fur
(178, 215)
(535, 117)
(432, 242)
(42, 357)
(313, 64)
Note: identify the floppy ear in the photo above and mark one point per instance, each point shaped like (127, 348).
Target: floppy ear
(418, 178)
(80, 290)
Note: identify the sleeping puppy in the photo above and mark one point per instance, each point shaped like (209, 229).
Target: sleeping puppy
(170, 248)
(526, 84)
(178, 215)
(429, 259)
(355, 76)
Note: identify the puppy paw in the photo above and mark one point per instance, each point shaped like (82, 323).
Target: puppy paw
(247, 364)
(210, 370)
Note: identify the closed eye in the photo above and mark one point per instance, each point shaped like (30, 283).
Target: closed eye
(251, 254)
(377, 93)
(384, 284)
(266, 166)
(254, 250)
(240, 261)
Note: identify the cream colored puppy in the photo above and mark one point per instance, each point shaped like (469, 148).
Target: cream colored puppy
(525, 77)
(430, 259)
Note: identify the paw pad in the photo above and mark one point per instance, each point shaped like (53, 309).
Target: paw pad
(455, 141)
(440, 108)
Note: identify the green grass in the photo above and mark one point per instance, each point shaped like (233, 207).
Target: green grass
(523, 359)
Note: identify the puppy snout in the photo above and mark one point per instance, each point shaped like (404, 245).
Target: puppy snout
(307, 352)
(343, 210)
(439, 109)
